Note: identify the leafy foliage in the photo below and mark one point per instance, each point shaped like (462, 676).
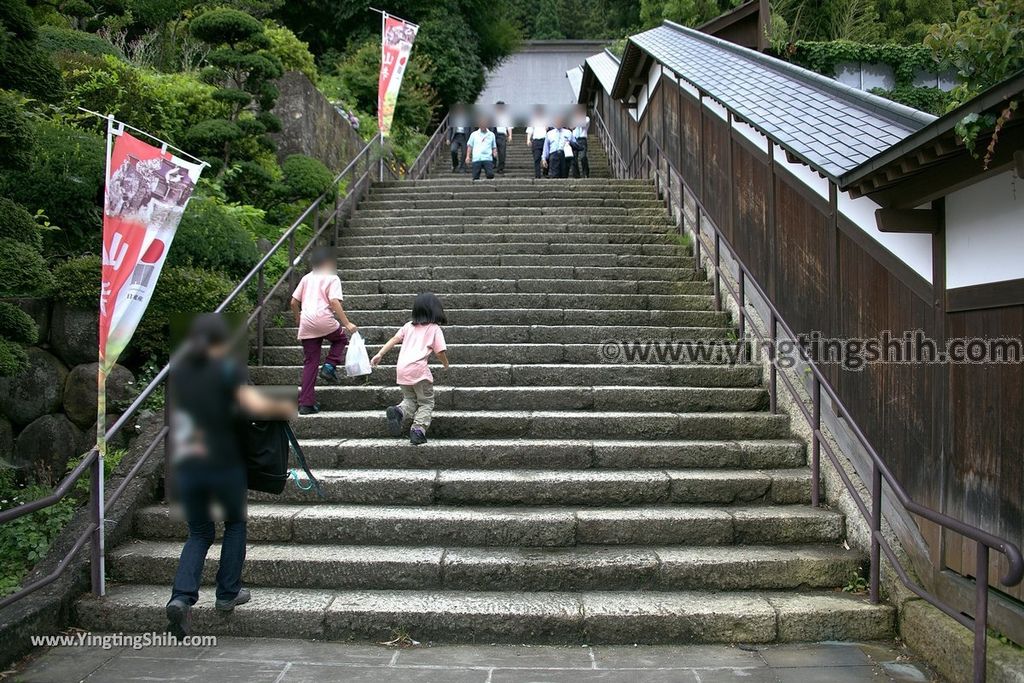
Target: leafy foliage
(211, 238)
(57, 39)
(23, 271)
(16, 325)
(16, 137)
(23, 65)
(687, 12)
(18, 224)
(79, 280)
(13, 358)
(293, 53)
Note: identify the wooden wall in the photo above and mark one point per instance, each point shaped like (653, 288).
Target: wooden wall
(952, 435)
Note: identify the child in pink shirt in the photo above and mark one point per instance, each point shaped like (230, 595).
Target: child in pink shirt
(419, 337)
(316, 304)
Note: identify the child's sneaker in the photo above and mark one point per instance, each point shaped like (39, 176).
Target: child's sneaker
(328, 373)
(417, 436)
(309, 410)
(395, 417)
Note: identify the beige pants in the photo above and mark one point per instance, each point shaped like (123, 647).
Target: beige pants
(418, 403)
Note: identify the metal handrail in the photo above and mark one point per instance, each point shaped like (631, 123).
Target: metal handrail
(91, 461)
(879, 470)
(421, 166)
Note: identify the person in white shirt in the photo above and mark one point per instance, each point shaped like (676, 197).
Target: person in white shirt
(502, 133)
(558, 150)
(535, 135)
(482, 150)
(580, 131)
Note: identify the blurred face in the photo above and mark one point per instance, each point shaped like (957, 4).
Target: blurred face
(328, 266)
(482, 123)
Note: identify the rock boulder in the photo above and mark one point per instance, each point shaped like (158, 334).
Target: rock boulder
(45, 446)
(74, 335)
(36, 391)
(80, 392)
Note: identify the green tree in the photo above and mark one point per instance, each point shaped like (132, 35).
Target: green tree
(23, 65)
(547, 24)
(244, 69)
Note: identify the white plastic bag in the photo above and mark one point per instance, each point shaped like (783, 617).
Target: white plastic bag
(567, 150)
(357, 362)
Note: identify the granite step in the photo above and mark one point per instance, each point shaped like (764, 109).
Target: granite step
(582, 568)
(511, 249)
(549, 272)
(551, 317)
(552, 288)
(537, 300)
(521, 526)
(602, 259)
(632, 238)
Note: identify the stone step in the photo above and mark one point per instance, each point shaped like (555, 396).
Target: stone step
(403, 248)
(484, 211)
(519, 526)
(600, 260)
(452, 206)
(623, 230)
(583, 568)
(631, 239)
(550, 316)
(502, 375)
(539, 300)
(532, 334)
(523, 272)
(523, 184)
(638, 219)
(540, 354)
(507, 617)
(559, 454)
(550, 287)
(594, 487)
(546, 192)
(555, 424)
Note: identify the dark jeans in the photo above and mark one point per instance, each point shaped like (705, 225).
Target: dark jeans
(557, 166)
(459, 151)
(580, 160)
(501, 140)
(487, 166)
(538, 153)
(199, 485)
(311, 361)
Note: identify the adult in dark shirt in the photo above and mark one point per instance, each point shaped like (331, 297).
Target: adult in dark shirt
(207, 391)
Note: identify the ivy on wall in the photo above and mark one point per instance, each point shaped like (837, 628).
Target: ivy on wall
(906, 61)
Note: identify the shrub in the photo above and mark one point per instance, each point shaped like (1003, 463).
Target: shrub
(22, 270)
(57, 39)
(210, 137)
(17, 224)
(16, 325)
(304, 178)
(79, 281)
(293, 53)
(23, 66)
(66, 182)
(181, 292)
(225, 25)
(16, 137)
(249, 183)
(211, 238)
(13, 358)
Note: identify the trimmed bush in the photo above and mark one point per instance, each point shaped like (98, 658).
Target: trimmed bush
(225, 25)
(210, 238)
(16, 325)
(66, 182)
(17, 224)
(23, 271)
(293, 53)
(249, 183)
(79, 282)
(304, 178)
(13, 358)
(16, 139)
(57, 39)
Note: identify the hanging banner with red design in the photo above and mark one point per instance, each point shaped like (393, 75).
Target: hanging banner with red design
(396, 44)
(147, 190)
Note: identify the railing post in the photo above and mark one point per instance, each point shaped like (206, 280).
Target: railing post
(980, 612)
(96, 512)
(876, 530)
(260, 284)
(743, 315)
(718, 275)
(773, 371)
(816, 444)
(291, 260)
(697, 242)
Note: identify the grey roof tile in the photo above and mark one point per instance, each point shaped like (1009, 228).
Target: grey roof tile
(834, 130)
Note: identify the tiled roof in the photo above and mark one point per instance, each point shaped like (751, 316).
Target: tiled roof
(832, 127)
(605, 66)
(575, 76)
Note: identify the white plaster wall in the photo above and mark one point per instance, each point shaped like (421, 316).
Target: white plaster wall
(750, 133)
(985, 232)
(809, 177)
(913, 249)
(716, 109)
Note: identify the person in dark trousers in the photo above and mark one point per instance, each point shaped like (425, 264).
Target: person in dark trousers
(580, 131)
(535, 135)
(207, 390)
(458, 134)
(502, 133)
(482, 150)
(558, 150)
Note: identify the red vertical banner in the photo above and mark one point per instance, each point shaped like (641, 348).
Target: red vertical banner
(396, 45)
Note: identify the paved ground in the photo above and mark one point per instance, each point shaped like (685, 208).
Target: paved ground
(294, 661)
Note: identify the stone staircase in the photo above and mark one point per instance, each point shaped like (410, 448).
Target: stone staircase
(560, 498)
(519, 160)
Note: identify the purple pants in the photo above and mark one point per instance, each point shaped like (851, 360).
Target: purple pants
(311, 362)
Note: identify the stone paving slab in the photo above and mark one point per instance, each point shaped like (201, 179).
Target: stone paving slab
(293, 661)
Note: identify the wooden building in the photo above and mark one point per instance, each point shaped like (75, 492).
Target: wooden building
(856, 215)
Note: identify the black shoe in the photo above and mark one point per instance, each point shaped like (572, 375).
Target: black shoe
(309, 410)
(394, 415)
(328, 372)
(179, 618)
(417, 436)
(227, 605)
